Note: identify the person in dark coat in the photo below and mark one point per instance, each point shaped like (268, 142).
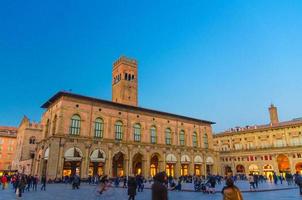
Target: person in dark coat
(132, 185)
(159, 190)
(298, 181)
(43, 182)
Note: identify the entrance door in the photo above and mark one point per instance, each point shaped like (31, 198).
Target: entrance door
(170, 169)
(184, 170)
(118, 165)
(96, 168)
(71, 168)
(137, 164)
(154, 165)
(197, 170)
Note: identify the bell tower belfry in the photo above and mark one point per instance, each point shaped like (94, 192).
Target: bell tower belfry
(124, 81)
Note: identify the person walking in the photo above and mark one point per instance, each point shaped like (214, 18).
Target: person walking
(35, 182)
(212, 183)
(159, 190)
(28, 181)
(43, 182)
(275, 177)
(103, 183)
(132, 185)
(298, 181)
(250, 179)
(76, 182)
(4, 181)
(230, 191)
(125, 182)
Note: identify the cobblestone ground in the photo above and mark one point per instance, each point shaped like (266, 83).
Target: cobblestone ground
(88, 192)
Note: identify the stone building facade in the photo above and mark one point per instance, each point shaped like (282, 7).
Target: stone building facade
(91, 136)
(29, 133)
(264, 149)
(8, 143)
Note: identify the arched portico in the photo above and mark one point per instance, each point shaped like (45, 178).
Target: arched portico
(118, 164)
(170, 164)
(154, 164)
(137, 164)
(72, 161)
(97, 162)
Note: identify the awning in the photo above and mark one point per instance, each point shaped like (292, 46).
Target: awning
(198, 160)
(73, 154)
(171, 158)
(185, 159)
(210, 161)
(98, 156)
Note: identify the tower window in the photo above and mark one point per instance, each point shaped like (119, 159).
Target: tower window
(129, 77)
(132, 77)
(126, 76)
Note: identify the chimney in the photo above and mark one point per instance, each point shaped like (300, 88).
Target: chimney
(273, 112)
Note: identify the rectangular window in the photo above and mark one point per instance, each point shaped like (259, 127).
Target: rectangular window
(137, 134)
(296, 141)
(168, 141)
(153, 135)
(182, 139)
(195, 141)
(75, 127)
(118, 132)
(250, 145)
(279, 143)
(238, 146)
(98, 129)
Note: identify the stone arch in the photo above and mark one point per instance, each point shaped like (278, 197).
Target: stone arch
(209, 165)
(283, 163)
(240, 169)
(72, 161)
(198, 159)
(97, 162)
(118, 164)
(228, 170)
(170, 164)
(137, 163)
(123, 151)
(98, 155)
(154, 164)
(210, 160)
(73, 154)
(171, 158)
(254, 169)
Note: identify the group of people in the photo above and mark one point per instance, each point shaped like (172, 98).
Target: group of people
(22, 183)
(161, 184)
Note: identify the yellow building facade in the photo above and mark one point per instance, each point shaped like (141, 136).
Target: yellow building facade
(264, 149)
(91, 136)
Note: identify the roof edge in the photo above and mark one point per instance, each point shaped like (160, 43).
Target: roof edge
(73, 95)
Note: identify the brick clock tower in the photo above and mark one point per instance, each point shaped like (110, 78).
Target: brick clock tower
(124, 81)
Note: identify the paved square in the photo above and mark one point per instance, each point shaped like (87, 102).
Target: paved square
(88, 192)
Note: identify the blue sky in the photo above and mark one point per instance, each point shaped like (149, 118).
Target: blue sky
(224, 61)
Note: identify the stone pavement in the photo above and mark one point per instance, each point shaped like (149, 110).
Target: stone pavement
(87, 192)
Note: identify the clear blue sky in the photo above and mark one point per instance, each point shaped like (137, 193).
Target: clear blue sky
(224, 61)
